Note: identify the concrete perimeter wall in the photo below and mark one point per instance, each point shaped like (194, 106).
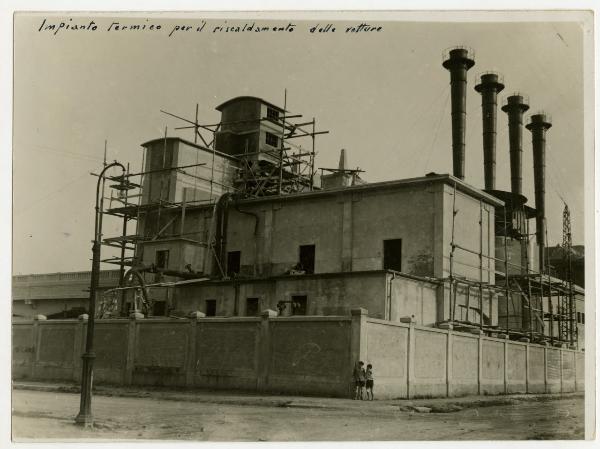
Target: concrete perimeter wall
(412, 361)
(296, 355)
(308, 355)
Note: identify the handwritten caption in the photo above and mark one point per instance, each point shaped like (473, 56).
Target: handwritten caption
(70, 25)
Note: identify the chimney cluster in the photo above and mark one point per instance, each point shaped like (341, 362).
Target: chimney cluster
(458, 61)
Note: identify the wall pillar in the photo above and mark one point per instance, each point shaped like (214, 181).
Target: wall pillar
(264, 253)
(449, 361)
(479, 364)
(545, 370)
(263, 359)
(410, 355)
(347, 234)
(527, 369)
(505, 345)
(575, 371)
(190, 360)
(78, 346)
(131, 342)
(560, 361)
(358, 341)
(35, 355)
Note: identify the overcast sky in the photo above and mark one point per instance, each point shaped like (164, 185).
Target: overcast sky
(383, 96)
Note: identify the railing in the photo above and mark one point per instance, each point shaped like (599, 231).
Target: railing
(66, 276)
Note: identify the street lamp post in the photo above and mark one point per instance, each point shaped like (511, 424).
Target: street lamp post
(85, 416)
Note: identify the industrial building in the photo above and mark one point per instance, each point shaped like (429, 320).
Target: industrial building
(56, 295)
(240, 220)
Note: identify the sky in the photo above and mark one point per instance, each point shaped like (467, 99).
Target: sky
(383, 96)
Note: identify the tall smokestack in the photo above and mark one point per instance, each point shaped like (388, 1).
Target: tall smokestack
(538, 125)
(515, 106)
(458, 63)
(489, 87)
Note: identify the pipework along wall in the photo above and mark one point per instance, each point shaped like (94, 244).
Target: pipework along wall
(305, 355)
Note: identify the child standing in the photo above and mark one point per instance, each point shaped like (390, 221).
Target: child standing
(359, 380)
(369, 379)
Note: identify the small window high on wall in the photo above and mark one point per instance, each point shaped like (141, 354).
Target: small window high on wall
(272, 113)
(272, 140)
(392, 254)
(210, 307)
(233, 263)
(307, 258)
(299, 304)
(162, 258)
(251, 306)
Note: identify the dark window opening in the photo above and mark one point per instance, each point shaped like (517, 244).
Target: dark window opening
(272, 140)
(210, 307)
(162, 258)
(233, 263)
(159, 308)
(582, 318)
(307, 258)
(251, 306)
(299, 305)
(272, 113)
(392, 254)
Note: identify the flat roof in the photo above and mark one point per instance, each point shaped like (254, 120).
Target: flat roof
(383, 185)
(192, 144)
(248, 97)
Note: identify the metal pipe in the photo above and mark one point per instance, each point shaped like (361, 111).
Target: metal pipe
(489, 88)
(458, 63)
(507, 292)
(515, 107)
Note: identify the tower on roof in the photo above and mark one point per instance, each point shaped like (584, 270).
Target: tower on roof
(250, 127)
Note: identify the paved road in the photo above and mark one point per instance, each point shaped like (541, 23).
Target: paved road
(45, 415)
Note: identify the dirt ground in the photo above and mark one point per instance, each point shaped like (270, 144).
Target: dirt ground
(163, 415)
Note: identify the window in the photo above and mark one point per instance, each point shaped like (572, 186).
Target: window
(251, 306)
(162, 258)
(272, 140)
(299, 305)
(579, 317)
(210, 307)
(307, 258)
(233, 263)
(392, 254)
(159, 308)
(272, 113)
(582, 318)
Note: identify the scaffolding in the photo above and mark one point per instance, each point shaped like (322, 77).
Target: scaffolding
(288, 169)
(294, 170)
(523, 292)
